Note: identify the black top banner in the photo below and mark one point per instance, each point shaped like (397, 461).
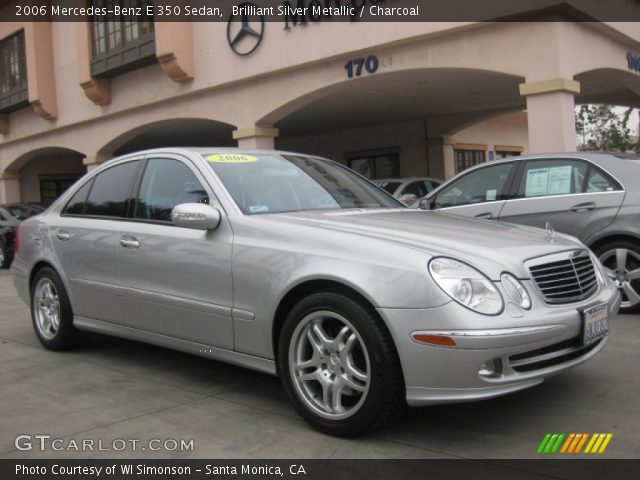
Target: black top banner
(309, 11)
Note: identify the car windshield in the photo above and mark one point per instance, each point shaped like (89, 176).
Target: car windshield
(389, 187)
(275, 183)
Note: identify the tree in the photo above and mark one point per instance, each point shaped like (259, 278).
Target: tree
(600, 127)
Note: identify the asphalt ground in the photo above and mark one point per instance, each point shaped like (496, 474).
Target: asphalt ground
(113, 392)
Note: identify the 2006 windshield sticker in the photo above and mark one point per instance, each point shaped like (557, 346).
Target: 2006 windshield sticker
(232, 158)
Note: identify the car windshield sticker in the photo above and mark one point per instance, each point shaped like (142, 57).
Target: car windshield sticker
(231, 158)
(491, 195)
(537, 180)
(258, 208)
(559, 180)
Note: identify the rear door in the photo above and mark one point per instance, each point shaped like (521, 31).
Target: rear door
(176, 281)
(575, 196)
(480, 193)
(85, 239)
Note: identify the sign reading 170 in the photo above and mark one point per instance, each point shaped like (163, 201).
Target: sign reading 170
(356, 66)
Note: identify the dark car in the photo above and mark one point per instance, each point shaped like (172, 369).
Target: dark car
(593, 196)
(22, 211)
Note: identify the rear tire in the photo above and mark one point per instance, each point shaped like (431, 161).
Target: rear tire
(339, 365)
(51, 312)
(622, 261)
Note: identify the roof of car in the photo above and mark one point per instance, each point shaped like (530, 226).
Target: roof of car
(406, 179)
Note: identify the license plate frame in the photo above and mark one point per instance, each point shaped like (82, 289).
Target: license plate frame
(595, 323)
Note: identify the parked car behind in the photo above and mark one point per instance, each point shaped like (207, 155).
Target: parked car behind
(8, 226)
(408, 190)
(592, 196)
(297, 266)
(22, 211)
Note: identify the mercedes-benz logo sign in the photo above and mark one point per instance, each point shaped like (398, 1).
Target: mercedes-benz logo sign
(245, 31)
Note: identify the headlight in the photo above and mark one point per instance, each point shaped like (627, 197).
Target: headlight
(466, 285)
(516, 290)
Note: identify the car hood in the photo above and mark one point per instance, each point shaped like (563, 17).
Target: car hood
(487, 244)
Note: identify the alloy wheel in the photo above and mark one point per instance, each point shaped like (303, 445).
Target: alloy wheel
(623, 268)
(329, 365)
(46, 307)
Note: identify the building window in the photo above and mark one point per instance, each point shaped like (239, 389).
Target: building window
(51, 189)
(468, 158)
(13, 73)
(120, 43)
(504, 154)
(376, 165)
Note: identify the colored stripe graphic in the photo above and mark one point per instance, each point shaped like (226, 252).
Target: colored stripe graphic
(573, 443)
(551, 442)
(598, 443)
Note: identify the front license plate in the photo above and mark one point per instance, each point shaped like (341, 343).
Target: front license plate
(595, 323)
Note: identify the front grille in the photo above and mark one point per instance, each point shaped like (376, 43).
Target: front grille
(551, 355)
(565, 280)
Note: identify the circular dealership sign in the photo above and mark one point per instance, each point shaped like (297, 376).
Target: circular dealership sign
(245, 30)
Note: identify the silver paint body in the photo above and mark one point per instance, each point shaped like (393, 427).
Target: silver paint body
(215, 293)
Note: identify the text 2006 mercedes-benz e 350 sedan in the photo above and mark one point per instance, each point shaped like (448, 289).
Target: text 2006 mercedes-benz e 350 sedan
(295, 265)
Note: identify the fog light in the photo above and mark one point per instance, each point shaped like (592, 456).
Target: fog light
(491, 369)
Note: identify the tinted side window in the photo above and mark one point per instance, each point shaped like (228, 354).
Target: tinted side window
(483, 185)
(542, 178)
(108, 196)
(600, 182)
(77, 202)
(165, 184)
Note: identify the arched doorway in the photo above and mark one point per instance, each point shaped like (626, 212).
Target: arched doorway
(44, 174)
(177, 132)
(394, 121)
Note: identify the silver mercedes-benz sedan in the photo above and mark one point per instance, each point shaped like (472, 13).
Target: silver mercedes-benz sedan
(297, 266)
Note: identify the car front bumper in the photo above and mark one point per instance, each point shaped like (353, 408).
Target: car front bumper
(514, 350)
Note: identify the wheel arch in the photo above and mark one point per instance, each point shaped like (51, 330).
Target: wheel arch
(613, 237)
(306, 288)
(39, 266)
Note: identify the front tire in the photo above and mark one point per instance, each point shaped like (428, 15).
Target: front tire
(339, 365)
(51, 312)
(621, 259)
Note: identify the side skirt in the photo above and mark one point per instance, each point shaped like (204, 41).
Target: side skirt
(241, 359)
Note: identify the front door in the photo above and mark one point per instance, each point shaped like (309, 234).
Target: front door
(176, 281)
(479, 193)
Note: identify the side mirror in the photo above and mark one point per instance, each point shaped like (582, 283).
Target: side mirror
(408, 198)
(425, 203)
(196, 215)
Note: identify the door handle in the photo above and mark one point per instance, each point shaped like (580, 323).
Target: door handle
(63, 235)
(583, 207)
(486, 215)
(129, 242)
